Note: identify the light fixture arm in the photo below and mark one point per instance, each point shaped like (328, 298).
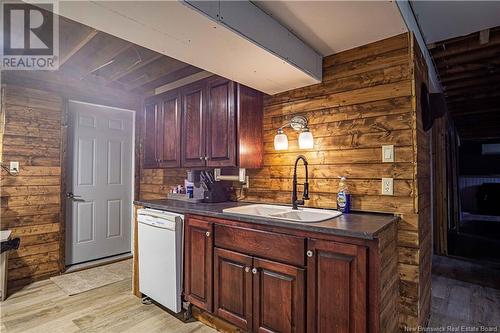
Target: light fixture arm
(298, 123)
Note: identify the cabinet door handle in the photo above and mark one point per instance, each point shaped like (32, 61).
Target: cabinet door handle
(254, 270)
(247, 269)
(206, 158)
(309, 253)
(207, 233)
(201, 158)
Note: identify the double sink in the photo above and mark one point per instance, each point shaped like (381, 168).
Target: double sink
(304, 215)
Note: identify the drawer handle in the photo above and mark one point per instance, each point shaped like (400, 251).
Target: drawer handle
(254, 270)
(247, 269)
(309, 253)
(207, 233)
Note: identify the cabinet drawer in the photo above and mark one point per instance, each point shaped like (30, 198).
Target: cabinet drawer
(263, 244)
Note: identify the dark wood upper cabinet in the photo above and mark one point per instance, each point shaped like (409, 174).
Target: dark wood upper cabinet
(221, 123)
(213, 123)
(279, 297)
(170, 130)
(336, 287)
(233, 287)
(193, 125)
(198, 263)
(149, 128)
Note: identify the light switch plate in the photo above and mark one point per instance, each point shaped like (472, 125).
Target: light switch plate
(387, 186)
(387, 153)
(14, 167)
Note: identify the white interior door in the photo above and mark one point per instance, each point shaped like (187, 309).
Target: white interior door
(100, 182)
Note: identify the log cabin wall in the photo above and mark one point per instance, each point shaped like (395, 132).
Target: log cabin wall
(30, 201)
(368, 98)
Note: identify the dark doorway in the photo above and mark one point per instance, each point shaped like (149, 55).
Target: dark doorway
(477, 233)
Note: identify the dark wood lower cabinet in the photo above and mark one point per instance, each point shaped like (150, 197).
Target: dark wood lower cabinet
(198, 262)
(336, 287)
(279, 298)
(341, 287)
(233, 287)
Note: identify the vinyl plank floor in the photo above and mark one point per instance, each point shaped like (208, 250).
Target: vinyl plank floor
(462, 294)
(43, 307)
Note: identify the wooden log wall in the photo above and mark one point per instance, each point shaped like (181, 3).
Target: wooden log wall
(422, 147)
(30, 200)
(368, 98)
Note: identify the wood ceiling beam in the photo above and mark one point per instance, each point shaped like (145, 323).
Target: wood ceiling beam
(171, 77)
(142, 64)
(480, 90)
(456, 69)
(472, 83)
(72, 87)
(84, 41)
(470, 57)
(463, 76)
(471, 44)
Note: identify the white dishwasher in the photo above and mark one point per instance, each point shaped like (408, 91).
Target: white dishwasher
(160, 240)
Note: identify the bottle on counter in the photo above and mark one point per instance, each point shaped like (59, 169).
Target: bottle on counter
(343, 197)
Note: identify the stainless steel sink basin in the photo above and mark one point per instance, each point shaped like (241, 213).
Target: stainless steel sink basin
(284, 213)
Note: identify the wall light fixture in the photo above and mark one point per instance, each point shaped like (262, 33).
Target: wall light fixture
(298, 123)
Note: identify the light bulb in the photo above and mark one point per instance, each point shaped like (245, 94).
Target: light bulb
(280, 141)
(306, 139)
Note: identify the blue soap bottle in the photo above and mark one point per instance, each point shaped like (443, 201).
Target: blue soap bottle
(343, 197)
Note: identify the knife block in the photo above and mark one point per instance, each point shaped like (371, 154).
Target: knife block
(217, 193)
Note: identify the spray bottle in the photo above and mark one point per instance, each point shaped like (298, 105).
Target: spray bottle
(343, 197)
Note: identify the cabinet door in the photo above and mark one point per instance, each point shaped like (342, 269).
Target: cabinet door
(150, 135)
(198, 263)
(221, 123)
(279, 297)
(233, 287)
(193, 129)
(170, 130)
(336, 287)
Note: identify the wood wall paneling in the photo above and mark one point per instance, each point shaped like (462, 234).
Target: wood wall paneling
(31, 200)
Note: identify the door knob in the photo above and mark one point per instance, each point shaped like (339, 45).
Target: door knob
(247, 269)
(206, 158)
(201, 158)
(254, 270)
(207, 233)
(309, 253)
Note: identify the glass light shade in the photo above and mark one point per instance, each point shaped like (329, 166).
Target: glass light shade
(280, 141)
(306, 140)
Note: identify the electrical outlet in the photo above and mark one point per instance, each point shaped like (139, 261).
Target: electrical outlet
(387, 186)
(14, 167)
(387, 153)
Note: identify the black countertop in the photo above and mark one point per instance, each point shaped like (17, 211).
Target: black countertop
(358, 225)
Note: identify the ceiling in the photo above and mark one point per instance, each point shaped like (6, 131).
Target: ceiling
(440, 20)
(175, 29)
(92, 60)
(469, 71)
(334, 26)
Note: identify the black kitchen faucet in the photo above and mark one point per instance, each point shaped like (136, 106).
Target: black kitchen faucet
(305, 195)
